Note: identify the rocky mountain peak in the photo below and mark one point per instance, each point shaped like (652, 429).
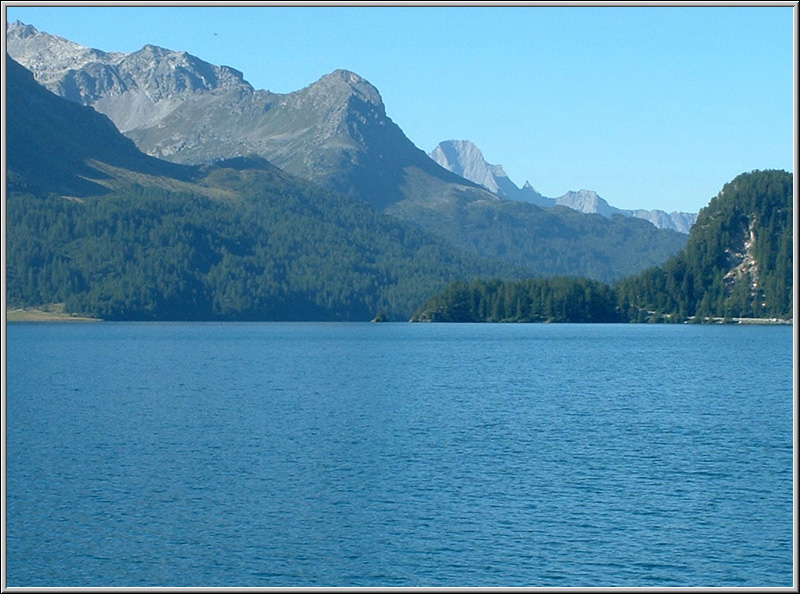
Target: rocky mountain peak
(466, 159)
(154, 51)
(462, 152)
(528, 193)
(178, 71)
(340, 85)
(135, 90)
(586, 201)
(587, 196)
(21, 30)
(50, 57)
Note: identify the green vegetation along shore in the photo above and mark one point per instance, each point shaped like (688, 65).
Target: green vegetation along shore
(53, 313)
(736, 267)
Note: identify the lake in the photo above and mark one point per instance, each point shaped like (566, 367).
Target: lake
(276, 455)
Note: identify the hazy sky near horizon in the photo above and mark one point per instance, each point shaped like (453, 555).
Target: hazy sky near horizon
(651, 107)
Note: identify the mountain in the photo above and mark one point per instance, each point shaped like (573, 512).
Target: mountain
(174, 106)
(146, 85)
(737, 262)
(112, 233)
(587, 201)
(335, 133)
(679, 221)
(465, 159)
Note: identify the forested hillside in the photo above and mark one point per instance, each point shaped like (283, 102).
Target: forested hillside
(552, 242)
(737, 264)
(275, 253)
(561, 299)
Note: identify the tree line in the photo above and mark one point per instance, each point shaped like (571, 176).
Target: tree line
(273, 248)
(560, 299)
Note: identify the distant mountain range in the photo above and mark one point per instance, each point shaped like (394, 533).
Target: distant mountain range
(334, 133)
(465, 159)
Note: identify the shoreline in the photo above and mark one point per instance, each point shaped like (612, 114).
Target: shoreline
(755, 321)
(43, 315)
(40, 315)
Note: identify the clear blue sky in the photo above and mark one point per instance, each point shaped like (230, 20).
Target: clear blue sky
(652, 107)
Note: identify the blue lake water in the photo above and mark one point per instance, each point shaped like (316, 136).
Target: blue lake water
(399, 455)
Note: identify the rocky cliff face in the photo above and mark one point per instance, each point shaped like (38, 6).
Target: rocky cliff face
(465, 159)
(134, 90)
(50, 57)
(741, 261)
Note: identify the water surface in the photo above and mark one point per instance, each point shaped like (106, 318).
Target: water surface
(399, 455)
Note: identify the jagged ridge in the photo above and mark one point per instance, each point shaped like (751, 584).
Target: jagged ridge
(466, 159)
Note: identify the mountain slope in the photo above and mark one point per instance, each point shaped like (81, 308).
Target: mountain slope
(737, 263)
(551, 242)
(115, 234)
(465, 159)
(175, 106)
(336, 133)
(51, 142)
